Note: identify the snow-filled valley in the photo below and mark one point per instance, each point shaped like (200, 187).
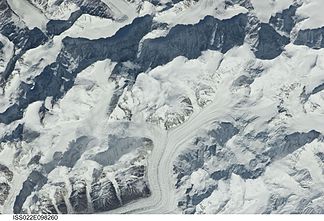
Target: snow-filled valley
(171, 106)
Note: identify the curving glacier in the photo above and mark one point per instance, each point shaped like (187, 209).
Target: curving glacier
(174, 106)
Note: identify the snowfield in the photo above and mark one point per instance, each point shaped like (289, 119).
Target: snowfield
(135, 106)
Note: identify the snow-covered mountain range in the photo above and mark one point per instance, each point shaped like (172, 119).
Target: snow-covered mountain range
(161, 106)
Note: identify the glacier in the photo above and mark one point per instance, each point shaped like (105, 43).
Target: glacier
(161, 106)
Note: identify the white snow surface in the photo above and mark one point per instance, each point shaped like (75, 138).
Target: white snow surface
(191, 12)
(172, 104)
(265, 8)
(29, 14)
(257, 102)
(312, 12)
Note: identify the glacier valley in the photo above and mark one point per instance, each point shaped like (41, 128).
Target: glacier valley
(162, 106)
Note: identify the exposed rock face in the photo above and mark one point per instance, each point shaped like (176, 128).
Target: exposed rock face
(104, 196)
(79, 115)
(121, 47)
(191, 40)
(270, 43)
(56, 27)
(15, 135)
(312, 38)
(237, 169)
(104, 190)
(73, 154)
(24, 39)
(320, 155)
(21, 36)
(291, 143)
(76, 55)
(95, 8)
(285, 20)
(34, 182)
(182, 40)
(214, 149)
(191, 160)
(318, 89)
(119, 147)
(101, 195)
(91, 7)
(78, 198)
(4, 192)
(134, 186)
(7, 175)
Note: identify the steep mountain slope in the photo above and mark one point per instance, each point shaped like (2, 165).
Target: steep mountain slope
(145, 106)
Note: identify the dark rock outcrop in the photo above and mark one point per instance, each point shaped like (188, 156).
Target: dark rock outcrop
(243, 171)
(34, 182)
(104, 196)
(270, 43)
(285, 20)
(132, 184)
(291, 143)
(58, 77)
(7, 176)
(56, 27)
(193, 159)
(76, 149)
(15, 135)
(78, 198)
(191, 40)
(117, 147)
(313, 38)
(4, 192)
(320, 155)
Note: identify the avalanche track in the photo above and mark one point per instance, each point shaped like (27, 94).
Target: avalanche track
(168, 145)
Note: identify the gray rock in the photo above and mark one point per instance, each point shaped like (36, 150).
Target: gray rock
(303, 177)
(194, 158)
(34, 160)
(318, 89)
(191, 40)
(132, 184)
(6, 172)
(237, 169)
(118, 147)
(223, 133)
(35, 181)
(285, 20)
(197, 198)
(56, 27)
(78, 197)
(320, 155)
(76, 149)
(270, 43)
(243, 80)
(312, 38)
(57, 78)
(15, 135)
(20, 35)
(4, 192)
(291, 143)
(275, 203)
(104, 196)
